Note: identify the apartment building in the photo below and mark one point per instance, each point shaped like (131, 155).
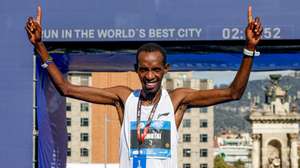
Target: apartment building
(196, 130)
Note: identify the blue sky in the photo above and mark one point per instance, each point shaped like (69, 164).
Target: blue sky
(226, 77)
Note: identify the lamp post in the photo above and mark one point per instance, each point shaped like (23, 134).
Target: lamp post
(106, 120)
(105, 140)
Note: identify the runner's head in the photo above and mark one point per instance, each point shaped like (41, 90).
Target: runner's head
(151, 66)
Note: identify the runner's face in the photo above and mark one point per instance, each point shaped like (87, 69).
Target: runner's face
(151, 70)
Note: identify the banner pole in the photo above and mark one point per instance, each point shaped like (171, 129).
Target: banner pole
(34, 121)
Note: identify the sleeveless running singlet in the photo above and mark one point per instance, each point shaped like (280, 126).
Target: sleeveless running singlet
(160, 146)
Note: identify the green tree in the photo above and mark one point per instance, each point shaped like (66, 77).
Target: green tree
(239, 164)
(219, 162)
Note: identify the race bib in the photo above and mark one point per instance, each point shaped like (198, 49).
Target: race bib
(139, 162)
(157, 142)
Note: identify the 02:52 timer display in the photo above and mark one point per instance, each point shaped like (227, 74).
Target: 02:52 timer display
(235, 33)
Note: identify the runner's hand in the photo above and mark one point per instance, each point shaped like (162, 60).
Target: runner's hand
(253, 30)
(33, 27)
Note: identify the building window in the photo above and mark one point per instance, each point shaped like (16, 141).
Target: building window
(84, 80)
(203, 110)
(188, 110)
(84, 137)
(203, 123)
(186, 123)
(169, 84)
(203, 165)
(186, 137)
(70, 77)
(69, 122)
(186, 165)
(187, 83)
(69, 137)
(186, 152)
(84, 152)
(203, 152)
(69, 152)
(84, 122)
(68, 107)
(203, 137)
(84, 107)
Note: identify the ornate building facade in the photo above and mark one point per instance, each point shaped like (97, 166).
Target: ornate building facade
(275, 129)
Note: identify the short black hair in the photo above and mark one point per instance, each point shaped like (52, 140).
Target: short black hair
(152, 47)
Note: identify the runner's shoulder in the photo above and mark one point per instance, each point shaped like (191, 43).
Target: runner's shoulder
(121, 91)
(179, 92)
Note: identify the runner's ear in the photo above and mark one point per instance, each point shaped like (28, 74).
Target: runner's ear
(167, 67)
(135, 67)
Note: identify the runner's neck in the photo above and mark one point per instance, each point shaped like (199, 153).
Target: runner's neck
(150, 99)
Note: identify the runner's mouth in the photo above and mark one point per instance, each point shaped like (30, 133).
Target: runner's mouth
(151, 85)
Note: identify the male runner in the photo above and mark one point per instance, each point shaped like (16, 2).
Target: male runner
(150, 116)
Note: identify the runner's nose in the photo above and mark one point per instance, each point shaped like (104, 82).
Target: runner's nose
(150, 76)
